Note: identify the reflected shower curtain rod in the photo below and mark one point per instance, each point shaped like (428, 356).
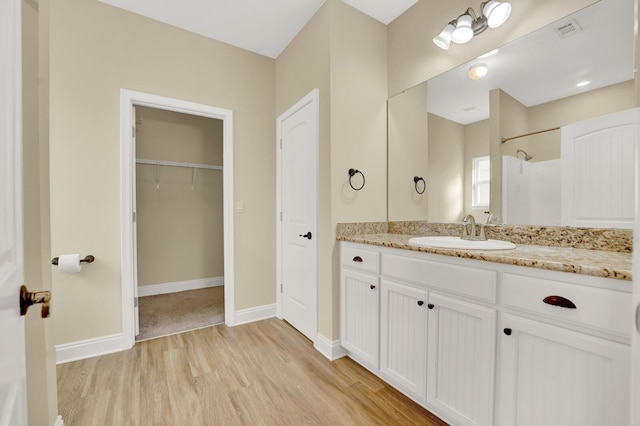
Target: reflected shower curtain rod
(178, 164)
(529, 134)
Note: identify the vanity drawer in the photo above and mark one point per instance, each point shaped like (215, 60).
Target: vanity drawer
(472, 282)
(361, 259)
(600, 308)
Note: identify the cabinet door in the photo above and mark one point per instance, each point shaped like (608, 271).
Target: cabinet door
(403, 349)
(461, 360)
(359, 318)
(553, 376)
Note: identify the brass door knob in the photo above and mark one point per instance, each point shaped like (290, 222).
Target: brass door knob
(28, 298)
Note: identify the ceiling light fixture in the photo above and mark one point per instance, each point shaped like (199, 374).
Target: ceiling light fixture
(477, 71)
(466, 26)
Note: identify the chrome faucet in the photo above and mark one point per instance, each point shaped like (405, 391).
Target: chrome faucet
(472, 235)
(468, 219)
(493, 219)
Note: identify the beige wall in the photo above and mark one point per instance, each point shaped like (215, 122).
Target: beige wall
(594, 103)
(180, 228)
(445, 170)
(358, 126)
(96, 50)
(413, 58)
(352, 127)
(300, 68)
(408, 155)
(42, 401)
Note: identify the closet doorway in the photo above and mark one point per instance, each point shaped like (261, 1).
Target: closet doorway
(179, 222)
(177, 228)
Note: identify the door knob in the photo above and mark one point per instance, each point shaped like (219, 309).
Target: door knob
(307, 235)
(28, 298)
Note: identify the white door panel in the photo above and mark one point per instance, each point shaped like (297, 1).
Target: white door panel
(13, 397)
(598, 167)
(298, 131)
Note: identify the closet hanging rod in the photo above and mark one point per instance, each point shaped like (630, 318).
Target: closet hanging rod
(529, 134)
(178, 164)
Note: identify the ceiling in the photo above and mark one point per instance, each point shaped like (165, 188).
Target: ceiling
(543, 66)
(261, 26)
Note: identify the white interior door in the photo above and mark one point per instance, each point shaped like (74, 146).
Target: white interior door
(136, 312)
(13, 396)
(298, 130)
(635, 339)
(598, 171)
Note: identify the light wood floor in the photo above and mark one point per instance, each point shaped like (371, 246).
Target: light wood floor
(264, 373)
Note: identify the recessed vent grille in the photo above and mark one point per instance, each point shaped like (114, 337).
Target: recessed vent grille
(568, 29)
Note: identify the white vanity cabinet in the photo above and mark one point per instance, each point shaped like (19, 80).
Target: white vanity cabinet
(461, 359)
(404, 338)
(360, 305)
(444, 331)
(554, 375)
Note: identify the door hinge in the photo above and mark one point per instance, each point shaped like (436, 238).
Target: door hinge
(280, 216)
(280, 143)
(281, 290)
(134, 217)
(135, 302)
(133, 131)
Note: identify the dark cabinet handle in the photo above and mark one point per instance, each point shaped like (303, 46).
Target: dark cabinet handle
(357, 259)
(307, 235)
(372, 287)
(507, 331)
(560, 301)
(431, 306)
(420, 303)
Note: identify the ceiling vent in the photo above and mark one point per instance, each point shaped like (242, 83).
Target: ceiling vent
(568, 29)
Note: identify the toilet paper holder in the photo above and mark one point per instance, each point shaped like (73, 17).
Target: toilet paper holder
(88, 259)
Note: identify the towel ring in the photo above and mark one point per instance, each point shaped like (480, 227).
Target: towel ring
(417, 179)
(352, 173)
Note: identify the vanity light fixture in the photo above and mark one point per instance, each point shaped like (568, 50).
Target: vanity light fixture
(466, 26)
(477, 71)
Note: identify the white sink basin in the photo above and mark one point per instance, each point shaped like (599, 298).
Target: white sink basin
(459, 243)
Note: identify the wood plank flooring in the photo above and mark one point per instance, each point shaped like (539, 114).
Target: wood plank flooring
(263, 373)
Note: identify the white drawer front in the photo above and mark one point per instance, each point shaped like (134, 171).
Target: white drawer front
(361, 259)
(477, 283)
(594, 307)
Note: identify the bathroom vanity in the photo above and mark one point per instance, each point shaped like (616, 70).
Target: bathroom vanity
(530, 336)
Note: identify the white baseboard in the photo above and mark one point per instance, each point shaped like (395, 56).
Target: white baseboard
(59, 421)
(165, 288)
(331, 350)
(258, 313)
(89, 348)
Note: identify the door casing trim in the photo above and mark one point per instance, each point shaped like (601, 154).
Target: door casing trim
(129, 98)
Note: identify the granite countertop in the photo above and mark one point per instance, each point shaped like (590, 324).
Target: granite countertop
(596, 263)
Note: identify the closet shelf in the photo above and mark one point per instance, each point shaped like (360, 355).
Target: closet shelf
(178, 164)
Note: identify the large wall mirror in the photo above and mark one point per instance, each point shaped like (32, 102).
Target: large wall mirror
(450, 130)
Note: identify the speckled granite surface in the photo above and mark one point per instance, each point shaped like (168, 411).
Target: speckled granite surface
(361, 228)
(618, 240)
(598, 263)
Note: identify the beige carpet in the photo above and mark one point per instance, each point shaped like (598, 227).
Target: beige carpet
(172, 313)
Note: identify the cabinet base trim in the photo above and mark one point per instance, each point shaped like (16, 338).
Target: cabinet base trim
(332, 350)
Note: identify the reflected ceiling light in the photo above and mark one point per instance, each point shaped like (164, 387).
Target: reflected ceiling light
(477, 71)
(466, 26)
(583, 83)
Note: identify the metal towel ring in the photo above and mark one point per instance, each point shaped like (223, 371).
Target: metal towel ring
(352, 173)
(417, 179)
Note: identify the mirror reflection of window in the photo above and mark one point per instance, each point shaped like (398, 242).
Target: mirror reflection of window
(481, 171)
